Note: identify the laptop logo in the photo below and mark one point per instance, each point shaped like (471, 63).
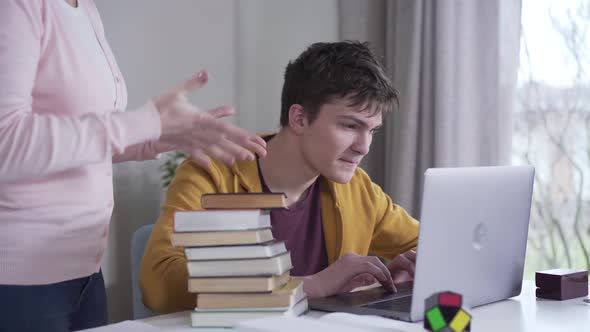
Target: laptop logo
(480, 236)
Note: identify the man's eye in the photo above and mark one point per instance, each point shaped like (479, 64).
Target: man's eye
(349, 126)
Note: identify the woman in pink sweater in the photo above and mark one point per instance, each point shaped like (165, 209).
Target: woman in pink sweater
(62, 126)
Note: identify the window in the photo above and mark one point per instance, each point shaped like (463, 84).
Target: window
(552, 130)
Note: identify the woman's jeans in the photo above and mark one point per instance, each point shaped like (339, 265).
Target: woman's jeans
(61, 307)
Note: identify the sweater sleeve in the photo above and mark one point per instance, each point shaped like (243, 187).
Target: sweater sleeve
(395, 231)
(163, 277)
(33, 145)
(140, 151)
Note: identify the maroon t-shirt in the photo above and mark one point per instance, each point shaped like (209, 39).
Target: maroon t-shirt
(301, 228)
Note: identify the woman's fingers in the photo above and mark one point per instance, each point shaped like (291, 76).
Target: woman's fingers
(177, 94)
(194, 83)
(183, 124)
(200, 158)
(232, 139)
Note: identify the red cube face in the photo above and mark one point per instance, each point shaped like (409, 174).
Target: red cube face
(449, 299)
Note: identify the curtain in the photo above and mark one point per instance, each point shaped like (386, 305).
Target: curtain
(455, 65)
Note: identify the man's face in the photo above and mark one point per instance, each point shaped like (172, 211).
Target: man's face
(336, 142)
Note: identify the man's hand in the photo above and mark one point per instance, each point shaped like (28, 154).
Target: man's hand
(347, 273)
(202, 134)
(402, 267)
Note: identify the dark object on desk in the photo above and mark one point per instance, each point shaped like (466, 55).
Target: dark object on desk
(561, 284)
(444, 312)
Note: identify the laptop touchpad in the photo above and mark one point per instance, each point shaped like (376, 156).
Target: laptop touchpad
(372, 295)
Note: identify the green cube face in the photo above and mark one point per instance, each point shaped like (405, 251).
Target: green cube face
(435, 318)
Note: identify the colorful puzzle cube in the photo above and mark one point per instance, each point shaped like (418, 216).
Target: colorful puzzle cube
(444, 312)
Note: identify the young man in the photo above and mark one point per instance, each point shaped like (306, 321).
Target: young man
(334, 98)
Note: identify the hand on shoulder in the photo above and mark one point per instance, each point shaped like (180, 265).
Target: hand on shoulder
(203, 134)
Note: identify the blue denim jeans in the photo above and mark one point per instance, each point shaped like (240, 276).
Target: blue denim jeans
(61, 307)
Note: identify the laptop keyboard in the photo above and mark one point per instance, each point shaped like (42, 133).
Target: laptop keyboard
(401, 304)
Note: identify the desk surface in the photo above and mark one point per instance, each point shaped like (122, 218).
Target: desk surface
(521, 313)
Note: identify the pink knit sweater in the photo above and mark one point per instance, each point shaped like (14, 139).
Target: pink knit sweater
(61, 128)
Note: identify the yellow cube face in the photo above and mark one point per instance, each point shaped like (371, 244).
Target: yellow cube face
(460, 321)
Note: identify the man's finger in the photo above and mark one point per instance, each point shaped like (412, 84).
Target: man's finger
(411, 255)
(402, 276)
(361, 280)
(380, 272)
(410, 265)
(402, 263)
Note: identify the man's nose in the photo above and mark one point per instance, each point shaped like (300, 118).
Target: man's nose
(362, 143)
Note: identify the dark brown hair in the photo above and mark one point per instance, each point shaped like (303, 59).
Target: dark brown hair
(328, 71)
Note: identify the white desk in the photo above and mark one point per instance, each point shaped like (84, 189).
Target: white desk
(520, 313)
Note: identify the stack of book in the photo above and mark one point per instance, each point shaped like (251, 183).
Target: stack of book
(236, 268)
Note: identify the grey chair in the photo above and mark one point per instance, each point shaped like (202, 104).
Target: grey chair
(138, 242)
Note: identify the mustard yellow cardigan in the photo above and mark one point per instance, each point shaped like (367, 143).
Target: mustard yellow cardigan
(357, 217)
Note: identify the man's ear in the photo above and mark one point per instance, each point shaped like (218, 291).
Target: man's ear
(297, 118)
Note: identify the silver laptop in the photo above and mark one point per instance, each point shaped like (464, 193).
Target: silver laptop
(472, 240)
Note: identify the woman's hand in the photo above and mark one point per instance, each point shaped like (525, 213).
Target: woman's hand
(202, 134)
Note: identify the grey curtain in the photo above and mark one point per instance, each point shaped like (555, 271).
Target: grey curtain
(454, 63)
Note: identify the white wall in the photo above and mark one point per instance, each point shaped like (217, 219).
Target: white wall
(269, 34)
(245, 45)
